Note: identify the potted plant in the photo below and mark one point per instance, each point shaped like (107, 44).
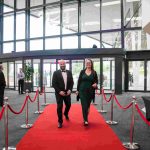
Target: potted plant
(28, 71)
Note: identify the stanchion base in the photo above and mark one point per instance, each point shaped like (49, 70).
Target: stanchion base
(9, 148)
(38, 112)
(45, 104)
(102, 111)
(111, 122)
(26, 126)
(131, 145)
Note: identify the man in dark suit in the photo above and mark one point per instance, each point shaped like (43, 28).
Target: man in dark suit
(63, 83)
(2, 85)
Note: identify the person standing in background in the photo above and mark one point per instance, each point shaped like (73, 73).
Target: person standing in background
(21, 77)
(2, 85)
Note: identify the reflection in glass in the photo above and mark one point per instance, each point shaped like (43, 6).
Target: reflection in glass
(20, 46)
(20, 25)
(136, 75)
(52, 1)
(108, 73)
(111, 16)
(70, 19)
(90, 16)
(148, 75)
(8, 27)
(52, 43)
(136, 40)
(70, 42)
(8, 47)
(77, 66)
(132, 13)
(52, 21)
(111, 40)
(36, 45)
(36, 23)
(11, 75)
(89, 40)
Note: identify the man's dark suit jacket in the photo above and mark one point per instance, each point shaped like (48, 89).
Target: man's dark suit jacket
(2, 80)
(58, 81)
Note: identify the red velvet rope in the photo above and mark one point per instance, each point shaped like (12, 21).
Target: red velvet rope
(128, 106)
(141, 114)
(105, 96)
(1, 113)
(21, 108)
(34, 97)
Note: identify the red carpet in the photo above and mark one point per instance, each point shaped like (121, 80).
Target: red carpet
(73, 136)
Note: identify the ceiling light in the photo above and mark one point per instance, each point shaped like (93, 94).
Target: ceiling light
(108, 3)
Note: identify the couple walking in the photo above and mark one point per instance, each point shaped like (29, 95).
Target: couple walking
(63, 83)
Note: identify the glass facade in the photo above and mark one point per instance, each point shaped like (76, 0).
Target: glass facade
(75, 25)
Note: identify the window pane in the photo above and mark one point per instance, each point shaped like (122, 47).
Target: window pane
(111, 40)
(20, 4)
(20, 46)
(9, 5)
(36, 45)
(136, 75)
(36, 2)
(8, 47)
(70, 19)
(52, 1)
(70, 42)
(111, 14)
(52, 21)
(36, 23)
(90, 16)
(90, 41)
(20, 25)
(52, 43)
(148, 75)
(132, 13)
(8, 27)
(136, 40)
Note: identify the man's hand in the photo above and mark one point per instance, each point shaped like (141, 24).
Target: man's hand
(77, 92)
(62, 93)
(94, 85)
(68, 92)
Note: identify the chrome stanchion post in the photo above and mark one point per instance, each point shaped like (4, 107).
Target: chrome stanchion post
(45, 103)
(6, 126)
(26, 125)
(38, 105)
(131, 144)
(111, 122)
(101, 110)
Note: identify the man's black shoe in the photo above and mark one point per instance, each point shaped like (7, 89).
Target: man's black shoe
(66, 116)
(59, 125)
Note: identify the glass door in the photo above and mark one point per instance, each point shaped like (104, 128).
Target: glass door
(136, 75)
(36, 74)
(18, 65)
(148, 76)
(108, 73)
(11, 75)
(49, 66)
(77, 66)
